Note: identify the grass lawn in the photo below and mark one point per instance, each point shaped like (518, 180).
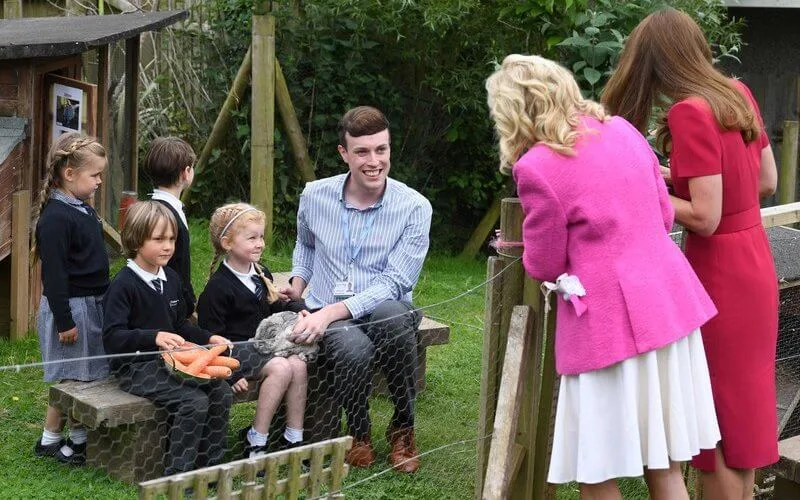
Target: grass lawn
(447, 411)
(446, 420)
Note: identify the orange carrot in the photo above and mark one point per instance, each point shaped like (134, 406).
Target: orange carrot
(231, 363)
(205, 358)
(217, 371)
(187, 356)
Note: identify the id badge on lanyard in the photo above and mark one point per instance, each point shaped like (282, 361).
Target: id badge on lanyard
(345, 288)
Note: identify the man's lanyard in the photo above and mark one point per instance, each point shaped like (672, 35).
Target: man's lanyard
(353, 252)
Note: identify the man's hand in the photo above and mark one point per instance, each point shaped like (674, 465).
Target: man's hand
(288, 293)
(239, 386)
(169, 340)
(69, 337)
(309, 327)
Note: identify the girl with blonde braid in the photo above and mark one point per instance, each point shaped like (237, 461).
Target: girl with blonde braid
(69, 240)
(237, 297)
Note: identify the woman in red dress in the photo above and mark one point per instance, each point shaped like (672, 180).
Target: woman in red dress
(721, 164)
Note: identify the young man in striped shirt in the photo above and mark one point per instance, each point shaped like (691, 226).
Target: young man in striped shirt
(361, 242)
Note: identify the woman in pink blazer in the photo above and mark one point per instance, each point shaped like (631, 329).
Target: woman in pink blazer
(635, 396)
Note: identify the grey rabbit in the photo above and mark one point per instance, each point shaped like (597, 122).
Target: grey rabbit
(272, 337)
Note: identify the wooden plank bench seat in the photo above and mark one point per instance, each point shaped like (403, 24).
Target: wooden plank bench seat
(127, 432)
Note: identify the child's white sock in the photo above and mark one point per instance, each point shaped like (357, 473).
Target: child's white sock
(293, 435)
(78, 435)
(256, 438)
(49, 438)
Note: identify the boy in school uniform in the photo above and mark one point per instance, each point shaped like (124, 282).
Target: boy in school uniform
(170, 165)
(145, 311)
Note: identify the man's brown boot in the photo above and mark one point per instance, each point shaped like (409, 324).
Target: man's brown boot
(404, 456)
(361, 454)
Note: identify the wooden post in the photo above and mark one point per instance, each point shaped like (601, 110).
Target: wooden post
(292, 126)
(482, 231)
(501, 456)
(12, 9)
(223, 122)
(20, 260)
(262, 123)
(103, 77)
(787, 184)
(131, 106)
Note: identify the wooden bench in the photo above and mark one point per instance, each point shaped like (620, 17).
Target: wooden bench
(127, 433)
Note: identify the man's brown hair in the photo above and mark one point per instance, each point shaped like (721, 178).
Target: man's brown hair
(166, 159)
(363, 120)
(141, 221)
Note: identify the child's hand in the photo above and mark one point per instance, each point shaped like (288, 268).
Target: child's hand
(219, 339)
(239, 386)
(69, 337)
(169, 340)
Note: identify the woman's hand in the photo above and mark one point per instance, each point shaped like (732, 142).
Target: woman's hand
(666, 174)
(69, 337)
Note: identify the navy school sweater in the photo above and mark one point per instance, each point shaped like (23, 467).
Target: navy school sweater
(73, 255)
(134, 313)
(228, 308)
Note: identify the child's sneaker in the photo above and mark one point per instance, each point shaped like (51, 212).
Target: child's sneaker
(47, 450)
(78, 456)
(251, 451)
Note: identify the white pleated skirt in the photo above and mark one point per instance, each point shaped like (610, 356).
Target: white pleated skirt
(642, 412)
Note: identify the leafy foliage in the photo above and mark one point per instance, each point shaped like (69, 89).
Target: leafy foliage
(423, 62)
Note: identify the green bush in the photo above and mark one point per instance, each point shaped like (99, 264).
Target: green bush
(423, 63)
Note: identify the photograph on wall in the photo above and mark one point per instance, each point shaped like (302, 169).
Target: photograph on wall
(68, 103)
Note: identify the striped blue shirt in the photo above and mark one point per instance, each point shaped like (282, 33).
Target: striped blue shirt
(391, 257)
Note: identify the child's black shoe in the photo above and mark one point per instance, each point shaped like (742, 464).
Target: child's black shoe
(47, 450)
(78, 456)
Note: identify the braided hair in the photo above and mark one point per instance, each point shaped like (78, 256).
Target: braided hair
(70, 149)
(225, 222)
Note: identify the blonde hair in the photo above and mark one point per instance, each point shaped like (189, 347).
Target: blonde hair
(141, 220)
(534, 100)
(225, 223)
(71, 149)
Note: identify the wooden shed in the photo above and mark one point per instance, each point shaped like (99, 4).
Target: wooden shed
(43, 91)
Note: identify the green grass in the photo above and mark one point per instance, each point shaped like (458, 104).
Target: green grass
(447, 411)
(446, 419)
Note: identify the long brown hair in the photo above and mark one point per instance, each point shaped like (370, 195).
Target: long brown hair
(667, 58)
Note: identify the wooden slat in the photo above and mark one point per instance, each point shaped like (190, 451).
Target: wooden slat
(103, 79)
(131, 106)
(20, 263)
(781, 215)
(501, 454)
(489, 367)
(787, 184)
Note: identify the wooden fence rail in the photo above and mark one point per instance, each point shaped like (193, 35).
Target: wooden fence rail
(283, 476)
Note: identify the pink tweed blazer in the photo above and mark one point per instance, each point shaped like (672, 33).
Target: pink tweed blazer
(603, 215)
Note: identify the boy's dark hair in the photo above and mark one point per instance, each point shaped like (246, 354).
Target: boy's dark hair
(363, 120)
(166, 159)
(140, 222)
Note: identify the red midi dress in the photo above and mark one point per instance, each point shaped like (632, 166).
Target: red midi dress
(736, 267)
